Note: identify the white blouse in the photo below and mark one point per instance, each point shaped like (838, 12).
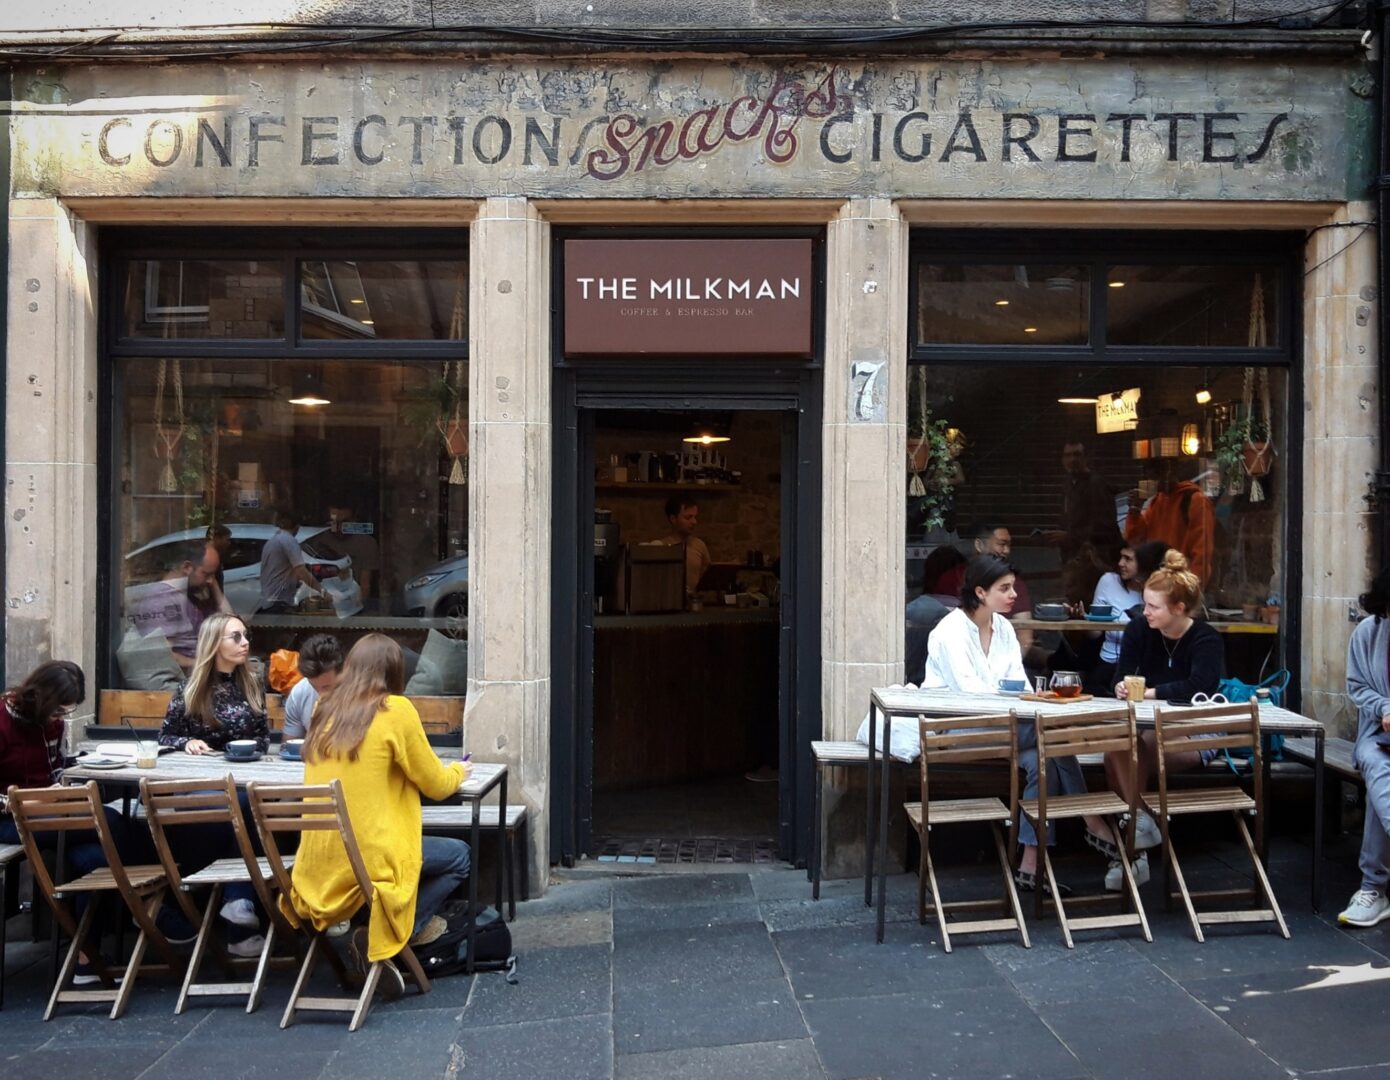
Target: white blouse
(955, 660)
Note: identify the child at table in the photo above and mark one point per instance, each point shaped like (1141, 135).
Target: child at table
(971, 650)
(369, 737)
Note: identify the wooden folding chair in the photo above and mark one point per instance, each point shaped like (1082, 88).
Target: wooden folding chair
(968, 740)
(170, 804)
(1220, 727)
(142, 888)
(305, 808)
(1096, 731)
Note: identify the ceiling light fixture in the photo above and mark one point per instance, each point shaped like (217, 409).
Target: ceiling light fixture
(307, 389)
(1076, 401)
(1030, 329)
(357, 300)
(1001, 303)
(1203, 396)
(1117, 284)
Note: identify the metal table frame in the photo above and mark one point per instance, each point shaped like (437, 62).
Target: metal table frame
(898, 703)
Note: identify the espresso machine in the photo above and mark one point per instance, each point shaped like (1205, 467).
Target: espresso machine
(607, 563)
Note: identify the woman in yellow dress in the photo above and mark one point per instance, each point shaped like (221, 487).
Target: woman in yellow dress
(369, 737)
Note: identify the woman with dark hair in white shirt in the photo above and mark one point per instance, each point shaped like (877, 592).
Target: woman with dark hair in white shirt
(971, 650)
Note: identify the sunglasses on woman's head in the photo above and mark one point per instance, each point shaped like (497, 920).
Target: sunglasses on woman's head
(238, 636)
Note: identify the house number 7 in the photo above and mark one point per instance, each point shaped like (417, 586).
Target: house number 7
(864, 380)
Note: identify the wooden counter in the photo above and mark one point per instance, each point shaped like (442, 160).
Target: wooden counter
(683, 696)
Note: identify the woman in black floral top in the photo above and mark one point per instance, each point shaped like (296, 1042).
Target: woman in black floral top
(221, 700)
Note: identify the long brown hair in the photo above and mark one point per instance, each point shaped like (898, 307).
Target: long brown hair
(374, 670)
(49, 689)
(197, 692)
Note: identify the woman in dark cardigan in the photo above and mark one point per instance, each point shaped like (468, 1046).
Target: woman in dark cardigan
(1179, 657)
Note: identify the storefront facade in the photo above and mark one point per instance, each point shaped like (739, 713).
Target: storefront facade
(274, 188)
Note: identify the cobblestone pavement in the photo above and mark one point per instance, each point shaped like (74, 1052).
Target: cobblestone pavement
(723, 975)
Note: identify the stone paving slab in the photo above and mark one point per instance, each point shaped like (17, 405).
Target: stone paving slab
(739, 973)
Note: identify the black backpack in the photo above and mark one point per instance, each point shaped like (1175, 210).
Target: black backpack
(492, 943)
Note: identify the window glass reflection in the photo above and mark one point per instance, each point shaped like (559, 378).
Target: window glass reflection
(1018, 304)
(384, 299)
(203, 298)
(1190, 306)
(221, 470)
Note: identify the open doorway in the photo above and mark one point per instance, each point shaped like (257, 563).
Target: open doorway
(686, 635)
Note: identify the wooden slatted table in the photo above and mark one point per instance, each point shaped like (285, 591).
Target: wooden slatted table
(897, 703)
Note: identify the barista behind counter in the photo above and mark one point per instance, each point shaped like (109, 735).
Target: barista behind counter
(684, 517)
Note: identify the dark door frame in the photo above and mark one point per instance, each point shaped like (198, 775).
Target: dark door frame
(795, 394)
(717, 384)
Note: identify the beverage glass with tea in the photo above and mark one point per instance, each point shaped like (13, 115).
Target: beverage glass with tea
(1134, 687)
(1066, 684)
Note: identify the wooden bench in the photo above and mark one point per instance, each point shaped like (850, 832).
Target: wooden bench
(457, 821)
(9, 853)
(1337, 755)
(836, 755)
(145, 709)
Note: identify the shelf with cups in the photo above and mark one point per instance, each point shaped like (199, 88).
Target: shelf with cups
(646, 486)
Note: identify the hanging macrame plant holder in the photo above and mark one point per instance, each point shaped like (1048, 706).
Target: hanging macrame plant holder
(1258, 456)
(167, 439)
(919, 447)
(454, 429)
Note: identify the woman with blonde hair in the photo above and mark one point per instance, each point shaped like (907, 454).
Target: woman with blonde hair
(1179, 657)
(220, 702)
(369, 737)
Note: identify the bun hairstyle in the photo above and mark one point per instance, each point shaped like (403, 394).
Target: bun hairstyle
(1176, 581)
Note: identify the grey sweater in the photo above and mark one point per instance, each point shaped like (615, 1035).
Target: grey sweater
(1368, 677)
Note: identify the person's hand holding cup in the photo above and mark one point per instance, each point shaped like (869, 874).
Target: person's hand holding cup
(1131, 689)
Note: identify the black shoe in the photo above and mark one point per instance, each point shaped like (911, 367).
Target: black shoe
(174, 925)
(1102, 845)
(1026, 882)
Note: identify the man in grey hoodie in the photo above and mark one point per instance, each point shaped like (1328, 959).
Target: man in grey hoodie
(1368, 684)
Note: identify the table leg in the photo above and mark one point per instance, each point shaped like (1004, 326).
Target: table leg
(503, 861)
(473, 886)
(1318, 737)
(884, 786)
(818, 839)
(60, 862)
(869, 809)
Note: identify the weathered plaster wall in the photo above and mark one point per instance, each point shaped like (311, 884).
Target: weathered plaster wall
(1140, 128)
(643, 14)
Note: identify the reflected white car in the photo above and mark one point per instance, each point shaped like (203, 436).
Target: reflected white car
(441, 592)
(241, 568)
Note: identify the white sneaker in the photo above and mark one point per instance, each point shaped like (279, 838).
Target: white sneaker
(251, 946)
(240, 913)
(1147, 834)
(1367, 908)
(1115, 876)
(338, 929)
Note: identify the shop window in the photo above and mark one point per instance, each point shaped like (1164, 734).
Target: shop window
(1064, 464)
(1193, 306)
(384, 299)
(203, 298)
(368, 456)
(1003, 304)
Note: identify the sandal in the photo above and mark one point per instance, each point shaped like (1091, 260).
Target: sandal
(1102, 845)
(1026, 882)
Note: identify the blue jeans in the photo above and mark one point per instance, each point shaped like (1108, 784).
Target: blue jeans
(1374, 764)
(1063, 778)
(444, 868)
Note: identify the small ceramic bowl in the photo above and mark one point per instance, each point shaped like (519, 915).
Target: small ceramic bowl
(241, 748)
(1013, 686)
(1100, 611)
(293, 749)
(1050, 612)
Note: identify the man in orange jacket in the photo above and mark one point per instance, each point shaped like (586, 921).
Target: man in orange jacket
(1180, 515)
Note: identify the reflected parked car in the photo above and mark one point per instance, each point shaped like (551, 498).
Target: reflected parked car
(241, 566)
(441, 592)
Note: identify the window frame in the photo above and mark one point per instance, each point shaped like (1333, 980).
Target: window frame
(1099, 251)
(122, 245)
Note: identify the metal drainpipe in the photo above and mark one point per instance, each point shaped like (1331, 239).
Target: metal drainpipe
(1383, 279)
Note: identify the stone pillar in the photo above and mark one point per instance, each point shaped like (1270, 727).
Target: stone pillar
(507, 717)
(51, 443)
(1340, 453)
(863, 522)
